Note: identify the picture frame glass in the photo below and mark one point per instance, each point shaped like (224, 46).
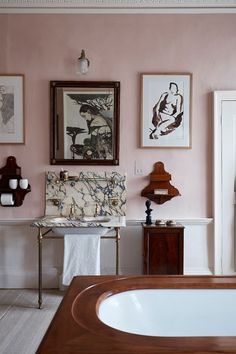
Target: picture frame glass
(12, 109)
(85, 122)
(166, 110)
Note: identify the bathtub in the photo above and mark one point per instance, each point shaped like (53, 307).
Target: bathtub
(172, 312)
(145, 314)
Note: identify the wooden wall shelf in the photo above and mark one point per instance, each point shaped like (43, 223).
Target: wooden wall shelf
(160, 181)
(12, 171)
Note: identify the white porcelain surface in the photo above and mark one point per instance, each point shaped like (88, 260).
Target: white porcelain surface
(23, 183)
(6, 199)
(96, 219)
(55, 219)
(172, 312)
(115, 221)
(13, 183)
(87, 225)
(61, 231)
(160, 222)
(106, 221)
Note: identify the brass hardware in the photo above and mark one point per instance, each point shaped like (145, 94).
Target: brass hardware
(43, 235)
(72, 211)
(72, 208)
(114, 201)
(64, 175)
(55, 201)
(96, 210)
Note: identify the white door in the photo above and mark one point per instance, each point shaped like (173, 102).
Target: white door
(224, 180)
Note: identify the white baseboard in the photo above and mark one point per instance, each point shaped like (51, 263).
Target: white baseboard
(198, 271)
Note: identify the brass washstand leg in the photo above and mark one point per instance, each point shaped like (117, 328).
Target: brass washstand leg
(40, 238)
(117, 250)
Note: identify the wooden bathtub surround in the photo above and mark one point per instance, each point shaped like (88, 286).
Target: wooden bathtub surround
(77, 329)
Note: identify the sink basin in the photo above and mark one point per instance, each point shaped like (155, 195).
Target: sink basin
(88, 225)
(99, 219)
(61, 231)
(56, 220)
(83, 226)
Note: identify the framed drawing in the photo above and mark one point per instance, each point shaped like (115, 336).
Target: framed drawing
(85, 122)
(166, 110)
(11, 109)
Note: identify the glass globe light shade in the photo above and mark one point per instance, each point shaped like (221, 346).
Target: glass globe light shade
(82, 64)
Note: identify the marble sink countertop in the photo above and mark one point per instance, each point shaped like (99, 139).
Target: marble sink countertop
(108, 221)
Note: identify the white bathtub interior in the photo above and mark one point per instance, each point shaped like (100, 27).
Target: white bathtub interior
(172, 312)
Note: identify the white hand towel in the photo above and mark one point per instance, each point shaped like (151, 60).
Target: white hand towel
(81, 256)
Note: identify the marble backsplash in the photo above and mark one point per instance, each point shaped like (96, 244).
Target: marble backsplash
(85, 193)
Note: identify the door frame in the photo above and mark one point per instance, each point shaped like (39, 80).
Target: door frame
(219, 98)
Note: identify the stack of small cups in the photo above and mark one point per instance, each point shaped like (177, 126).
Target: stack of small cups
(23, 183)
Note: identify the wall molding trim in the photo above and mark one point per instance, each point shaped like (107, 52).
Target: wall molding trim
(118, 6)
(197, 221)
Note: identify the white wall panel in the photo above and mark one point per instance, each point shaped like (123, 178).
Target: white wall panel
(19, 253)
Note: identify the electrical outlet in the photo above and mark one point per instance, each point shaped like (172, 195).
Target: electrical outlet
(139, 171)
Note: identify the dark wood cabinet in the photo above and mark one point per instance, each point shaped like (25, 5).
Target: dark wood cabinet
(163, 249)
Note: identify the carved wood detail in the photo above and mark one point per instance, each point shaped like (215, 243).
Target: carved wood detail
(159, 181)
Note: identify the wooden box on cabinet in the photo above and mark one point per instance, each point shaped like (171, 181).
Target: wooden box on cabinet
(163, 250)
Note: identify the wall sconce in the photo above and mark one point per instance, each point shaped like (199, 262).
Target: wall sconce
(82, 64)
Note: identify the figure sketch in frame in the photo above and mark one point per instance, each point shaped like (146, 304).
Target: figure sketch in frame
(92, 132)
(6, 110)
(167, 112)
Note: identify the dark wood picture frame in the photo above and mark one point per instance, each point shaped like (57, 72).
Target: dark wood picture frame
(84, 126)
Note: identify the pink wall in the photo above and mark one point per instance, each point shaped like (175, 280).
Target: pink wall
(120, 47)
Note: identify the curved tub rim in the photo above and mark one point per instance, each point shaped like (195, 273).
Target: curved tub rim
(86, 304)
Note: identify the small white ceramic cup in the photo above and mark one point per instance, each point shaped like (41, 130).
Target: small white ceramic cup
(23, 183)
(13, 183)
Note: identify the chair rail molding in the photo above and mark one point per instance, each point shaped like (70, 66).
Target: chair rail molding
(118, 6)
